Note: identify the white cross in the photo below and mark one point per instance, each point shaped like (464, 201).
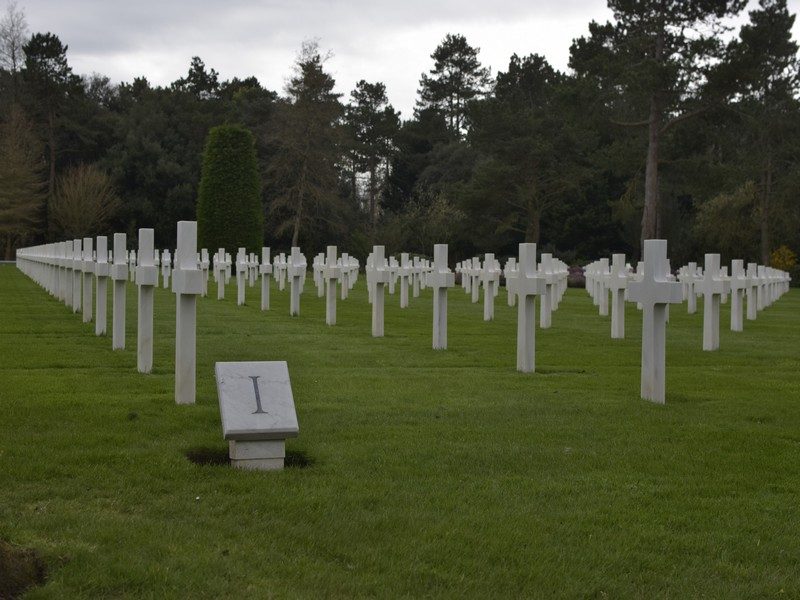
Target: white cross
(241, 275)
(440, 278)
(712, 286)
(490, 277)
(187, 284)
(546, 308)
(655, 293)
(146, 280)
(265, 269)
(617, 282)
(330, 272)
(380, 279)
(528, 284)
(738, 286)
(296, 271)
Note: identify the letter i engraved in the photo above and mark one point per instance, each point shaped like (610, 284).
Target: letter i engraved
(258, 410)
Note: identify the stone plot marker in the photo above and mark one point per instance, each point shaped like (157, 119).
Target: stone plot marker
(330, 273)
(738, 286)
(87, 268)
(618, 281)
(187, 284)
(751, 291)
(713, 287)
(101, 273)
(265, 268)
(77, 277)
(655, 293)
(146, 280)
(440, 279)
(257, 411)
(381, 278)
(528, 284)
(296, 271)
(241, 275)
(119, 274)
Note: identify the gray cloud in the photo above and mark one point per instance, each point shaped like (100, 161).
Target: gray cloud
(389, 41)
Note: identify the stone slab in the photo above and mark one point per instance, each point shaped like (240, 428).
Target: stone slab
(255, 400)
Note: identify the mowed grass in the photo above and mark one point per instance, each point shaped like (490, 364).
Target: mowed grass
(433, 473)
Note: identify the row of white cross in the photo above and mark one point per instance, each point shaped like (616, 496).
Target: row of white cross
(759, 285)
(67, 273)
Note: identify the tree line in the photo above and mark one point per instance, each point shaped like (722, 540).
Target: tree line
(663, 126)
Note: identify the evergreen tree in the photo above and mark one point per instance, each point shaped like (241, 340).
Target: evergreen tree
(306, 140)
(229, 213)
(372, 123)
(649, 67)
(456, 78)
(766, 63)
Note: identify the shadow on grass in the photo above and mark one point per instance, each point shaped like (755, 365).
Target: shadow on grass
(20, 570)
(215, 457)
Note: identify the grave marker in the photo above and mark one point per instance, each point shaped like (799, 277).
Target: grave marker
(440, 279)
(655, 293)
(146, 280)
(257, 412)
(101, 272)
(187, 284)
(119, 275)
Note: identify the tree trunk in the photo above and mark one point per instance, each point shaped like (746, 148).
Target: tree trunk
(650, 213)
(766, 196)
(533, 228)
(51, 180)
(373, 197)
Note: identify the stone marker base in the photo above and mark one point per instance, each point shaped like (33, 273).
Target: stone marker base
(267, 455)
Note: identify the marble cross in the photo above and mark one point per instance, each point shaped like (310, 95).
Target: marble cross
(146, 280)
(187, 284)
(331, 272)
(380, 279)
(655, 293)
(546, 306)
(87, 268)
(265, 269)
(618, 282)
(296, 272)
(101, 273)
(713, 286)
(119, 274)
(529, 284)
(241, 276)
(738, 286)
(440, 279)
(404, 271)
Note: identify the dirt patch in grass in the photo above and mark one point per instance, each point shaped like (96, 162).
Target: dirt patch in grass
(207, 456)
(297, 459)
(20, 569)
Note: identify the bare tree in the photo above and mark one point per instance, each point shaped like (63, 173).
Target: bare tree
(22, 182)
(84, 202)
(13, 35)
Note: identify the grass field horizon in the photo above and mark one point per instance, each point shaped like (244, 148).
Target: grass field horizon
(430, 473)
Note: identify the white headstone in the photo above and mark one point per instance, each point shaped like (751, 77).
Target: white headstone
(440, 279)
(528, 284)
(146, 280)
(330, 273)
(101, 272)
(257, 410)
(655, 293)
(187, 284)
(266, 271)
(713, 286)
(119, 274)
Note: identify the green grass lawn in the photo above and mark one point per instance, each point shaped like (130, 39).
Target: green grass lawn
(431, 473)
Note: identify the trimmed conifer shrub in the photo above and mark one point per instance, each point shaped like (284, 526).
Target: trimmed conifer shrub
(229, 213)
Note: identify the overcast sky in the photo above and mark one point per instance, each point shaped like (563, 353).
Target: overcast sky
(376, 40)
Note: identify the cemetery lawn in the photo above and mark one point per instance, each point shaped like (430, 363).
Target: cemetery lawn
(416, 473)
